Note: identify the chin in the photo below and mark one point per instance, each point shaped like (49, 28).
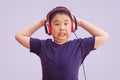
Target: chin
(63, 39)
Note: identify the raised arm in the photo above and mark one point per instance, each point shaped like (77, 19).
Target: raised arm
(23, 36)
(100, 36)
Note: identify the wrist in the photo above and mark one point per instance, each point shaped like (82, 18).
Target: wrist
(41, 22)
(79, 22)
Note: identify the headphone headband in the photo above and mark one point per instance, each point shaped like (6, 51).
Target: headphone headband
(57, 9)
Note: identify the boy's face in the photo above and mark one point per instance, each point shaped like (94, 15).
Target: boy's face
(61, 28)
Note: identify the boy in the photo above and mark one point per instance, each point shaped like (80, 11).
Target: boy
(61, 58)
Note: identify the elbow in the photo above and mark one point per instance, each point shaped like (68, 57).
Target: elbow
(106, 37)
(101, 40)
(17, 35)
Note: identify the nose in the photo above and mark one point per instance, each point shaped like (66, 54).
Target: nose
(62, 27)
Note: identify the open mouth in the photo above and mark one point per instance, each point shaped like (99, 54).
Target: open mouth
(61, 34)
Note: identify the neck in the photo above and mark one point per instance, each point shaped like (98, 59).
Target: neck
(60, 41)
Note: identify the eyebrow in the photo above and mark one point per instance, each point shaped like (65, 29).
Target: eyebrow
(59, 21)
(56, 21)
(67, 20)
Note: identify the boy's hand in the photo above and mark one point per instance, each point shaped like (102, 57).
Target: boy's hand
(43, 21)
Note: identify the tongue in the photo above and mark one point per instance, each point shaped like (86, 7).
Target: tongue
(61, 34)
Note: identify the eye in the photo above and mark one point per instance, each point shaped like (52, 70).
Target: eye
(56, 24)
(65, 23)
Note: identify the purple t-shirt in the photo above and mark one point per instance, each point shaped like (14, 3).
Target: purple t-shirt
(61, 61)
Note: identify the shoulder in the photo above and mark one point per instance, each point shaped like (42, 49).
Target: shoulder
(37, 44)
(84, 41)
(76, 40)
(40, 40)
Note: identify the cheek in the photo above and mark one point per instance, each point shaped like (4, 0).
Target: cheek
(69, 32)
(69, 29)
(54, 31)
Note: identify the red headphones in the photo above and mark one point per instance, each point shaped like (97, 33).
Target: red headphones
(48, 29)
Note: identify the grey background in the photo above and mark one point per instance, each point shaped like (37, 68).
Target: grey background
(17, 63)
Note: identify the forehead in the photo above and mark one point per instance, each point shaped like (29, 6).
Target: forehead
(61, 17)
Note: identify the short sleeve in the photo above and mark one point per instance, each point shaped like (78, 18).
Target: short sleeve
(35, 45)
(87, 45)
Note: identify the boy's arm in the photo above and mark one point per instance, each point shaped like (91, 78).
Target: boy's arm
(100, 36)
(23, 37)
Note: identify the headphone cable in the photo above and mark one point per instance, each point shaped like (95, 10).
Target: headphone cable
(82, 63)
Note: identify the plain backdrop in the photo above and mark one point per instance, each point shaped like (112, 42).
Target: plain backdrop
(17, 63)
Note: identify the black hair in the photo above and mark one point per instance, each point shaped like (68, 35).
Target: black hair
(58, 10)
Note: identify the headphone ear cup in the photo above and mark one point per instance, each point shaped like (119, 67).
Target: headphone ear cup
(48, 29)
(72, 27)
(74, 24)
